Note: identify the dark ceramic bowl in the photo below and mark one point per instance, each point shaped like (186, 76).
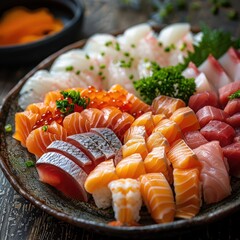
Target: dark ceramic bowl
(71, 13)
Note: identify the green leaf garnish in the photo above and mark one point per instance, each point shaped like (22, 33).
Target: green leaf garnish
(235, 95)
(29, 163)
(8, 128)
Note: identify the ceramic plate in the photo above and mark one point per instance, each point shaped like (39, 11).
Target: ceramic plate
(86, 215)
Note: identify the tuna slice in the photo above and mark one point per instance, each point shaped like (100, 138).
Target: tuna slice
(233, 106)
(88, 146)
(232, 153)
(214, 176)
(199, 100)
(194, 139)
(214, 72)
(234, 120)
(208, 113)
(231, 63)
(72, 152)
(217, 130)
(60, 172)
(226, 91)
(109, 136)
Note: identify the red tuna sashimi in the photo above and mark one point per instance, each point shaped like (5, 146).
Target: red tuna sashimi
(109, 136)
(217, 130)
(232, 153)
(226, 91)
(214, 175)
(231, 63)
(233, 106)
(73, 153)
(102, 144)
(194, 139)
(208, 113)
(237, 137)
(60, 172)
(234, 120)
(191, 71)
(199, 100)
(88, 146)
(214, 72)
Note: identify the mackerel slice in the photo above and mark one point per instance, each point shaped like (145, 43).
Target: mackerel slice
(102, 144)
(62, 173)
(72, 152)
(88, 146)
(109, 136)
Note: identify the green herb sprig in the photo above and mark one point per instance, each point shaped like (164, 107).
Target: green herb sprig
(235, 95)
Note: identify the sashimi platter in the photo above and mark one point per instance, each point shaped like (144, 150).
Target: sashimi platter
(135, 133)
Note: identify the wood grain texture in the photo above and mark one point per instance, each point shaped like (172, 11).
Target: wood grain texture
(20, 220)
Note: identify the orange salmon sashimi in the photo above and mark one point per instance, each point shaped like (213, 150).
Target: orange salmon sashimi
(136, 145)
(111, 116)
(157, 118)
(156, 161)
(38, 140)
(158, 197)
(156, 139)
(186, 119)
(169, 129)
(94, 116)
(166, 105)
(52, 97)
(75, 123)
(97, 183)
(39, 108)
(188, 192)
(135, 132)
(131, 167)
(127, 200)
(182, 156)
(145, 120)
(24, 122)
(138, 106)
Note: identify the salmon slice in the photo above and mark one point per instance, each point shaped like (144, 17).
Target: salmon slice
(157, 118)
(109, 136)
(169, 129)
(60, 172)
(182, 156)
(127, 200)
(73, 153)
(137, 145)
(94, 116)
(187, 192)
(135, 132)
(158, 197)
(111, 116)
(186, 119)
(166, 105)
(88, 146)
(52, 97)
(38, 140)
(122, 125)
(156, 161)
(38, 108)
(131, 167)
(75, 123)
(156, 139)
(24, 122)
(145, 120)
(97, 183)
(102, 144)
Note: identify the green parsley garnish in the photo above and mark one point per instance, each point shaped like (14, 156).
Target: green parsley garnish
(8, 128)
(69, 68)
(45, 128)
(235, 95)
(29, 163)
(71, 100)
(165, 81)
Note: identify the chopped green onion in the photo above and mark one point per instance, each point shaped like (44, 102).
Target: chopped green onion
(29, 163)
(8, 128)
(69, 68)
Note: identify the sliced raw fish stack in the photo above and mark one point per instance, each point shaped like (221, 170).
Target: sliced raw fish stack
(220, 131)
(233, 109)
(62, 173)
(214, 175)
(202, 99)
(135, 132)
(202, 84)
(231, 63)
(157, 139)
(208, 113)
(214, 72)
(191, 71)
(226, 91)
(232, 153)
(194, 139)
(73, 153)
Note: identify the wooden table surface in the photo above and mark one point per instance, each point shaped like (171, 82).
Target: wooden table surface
(19, 219)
